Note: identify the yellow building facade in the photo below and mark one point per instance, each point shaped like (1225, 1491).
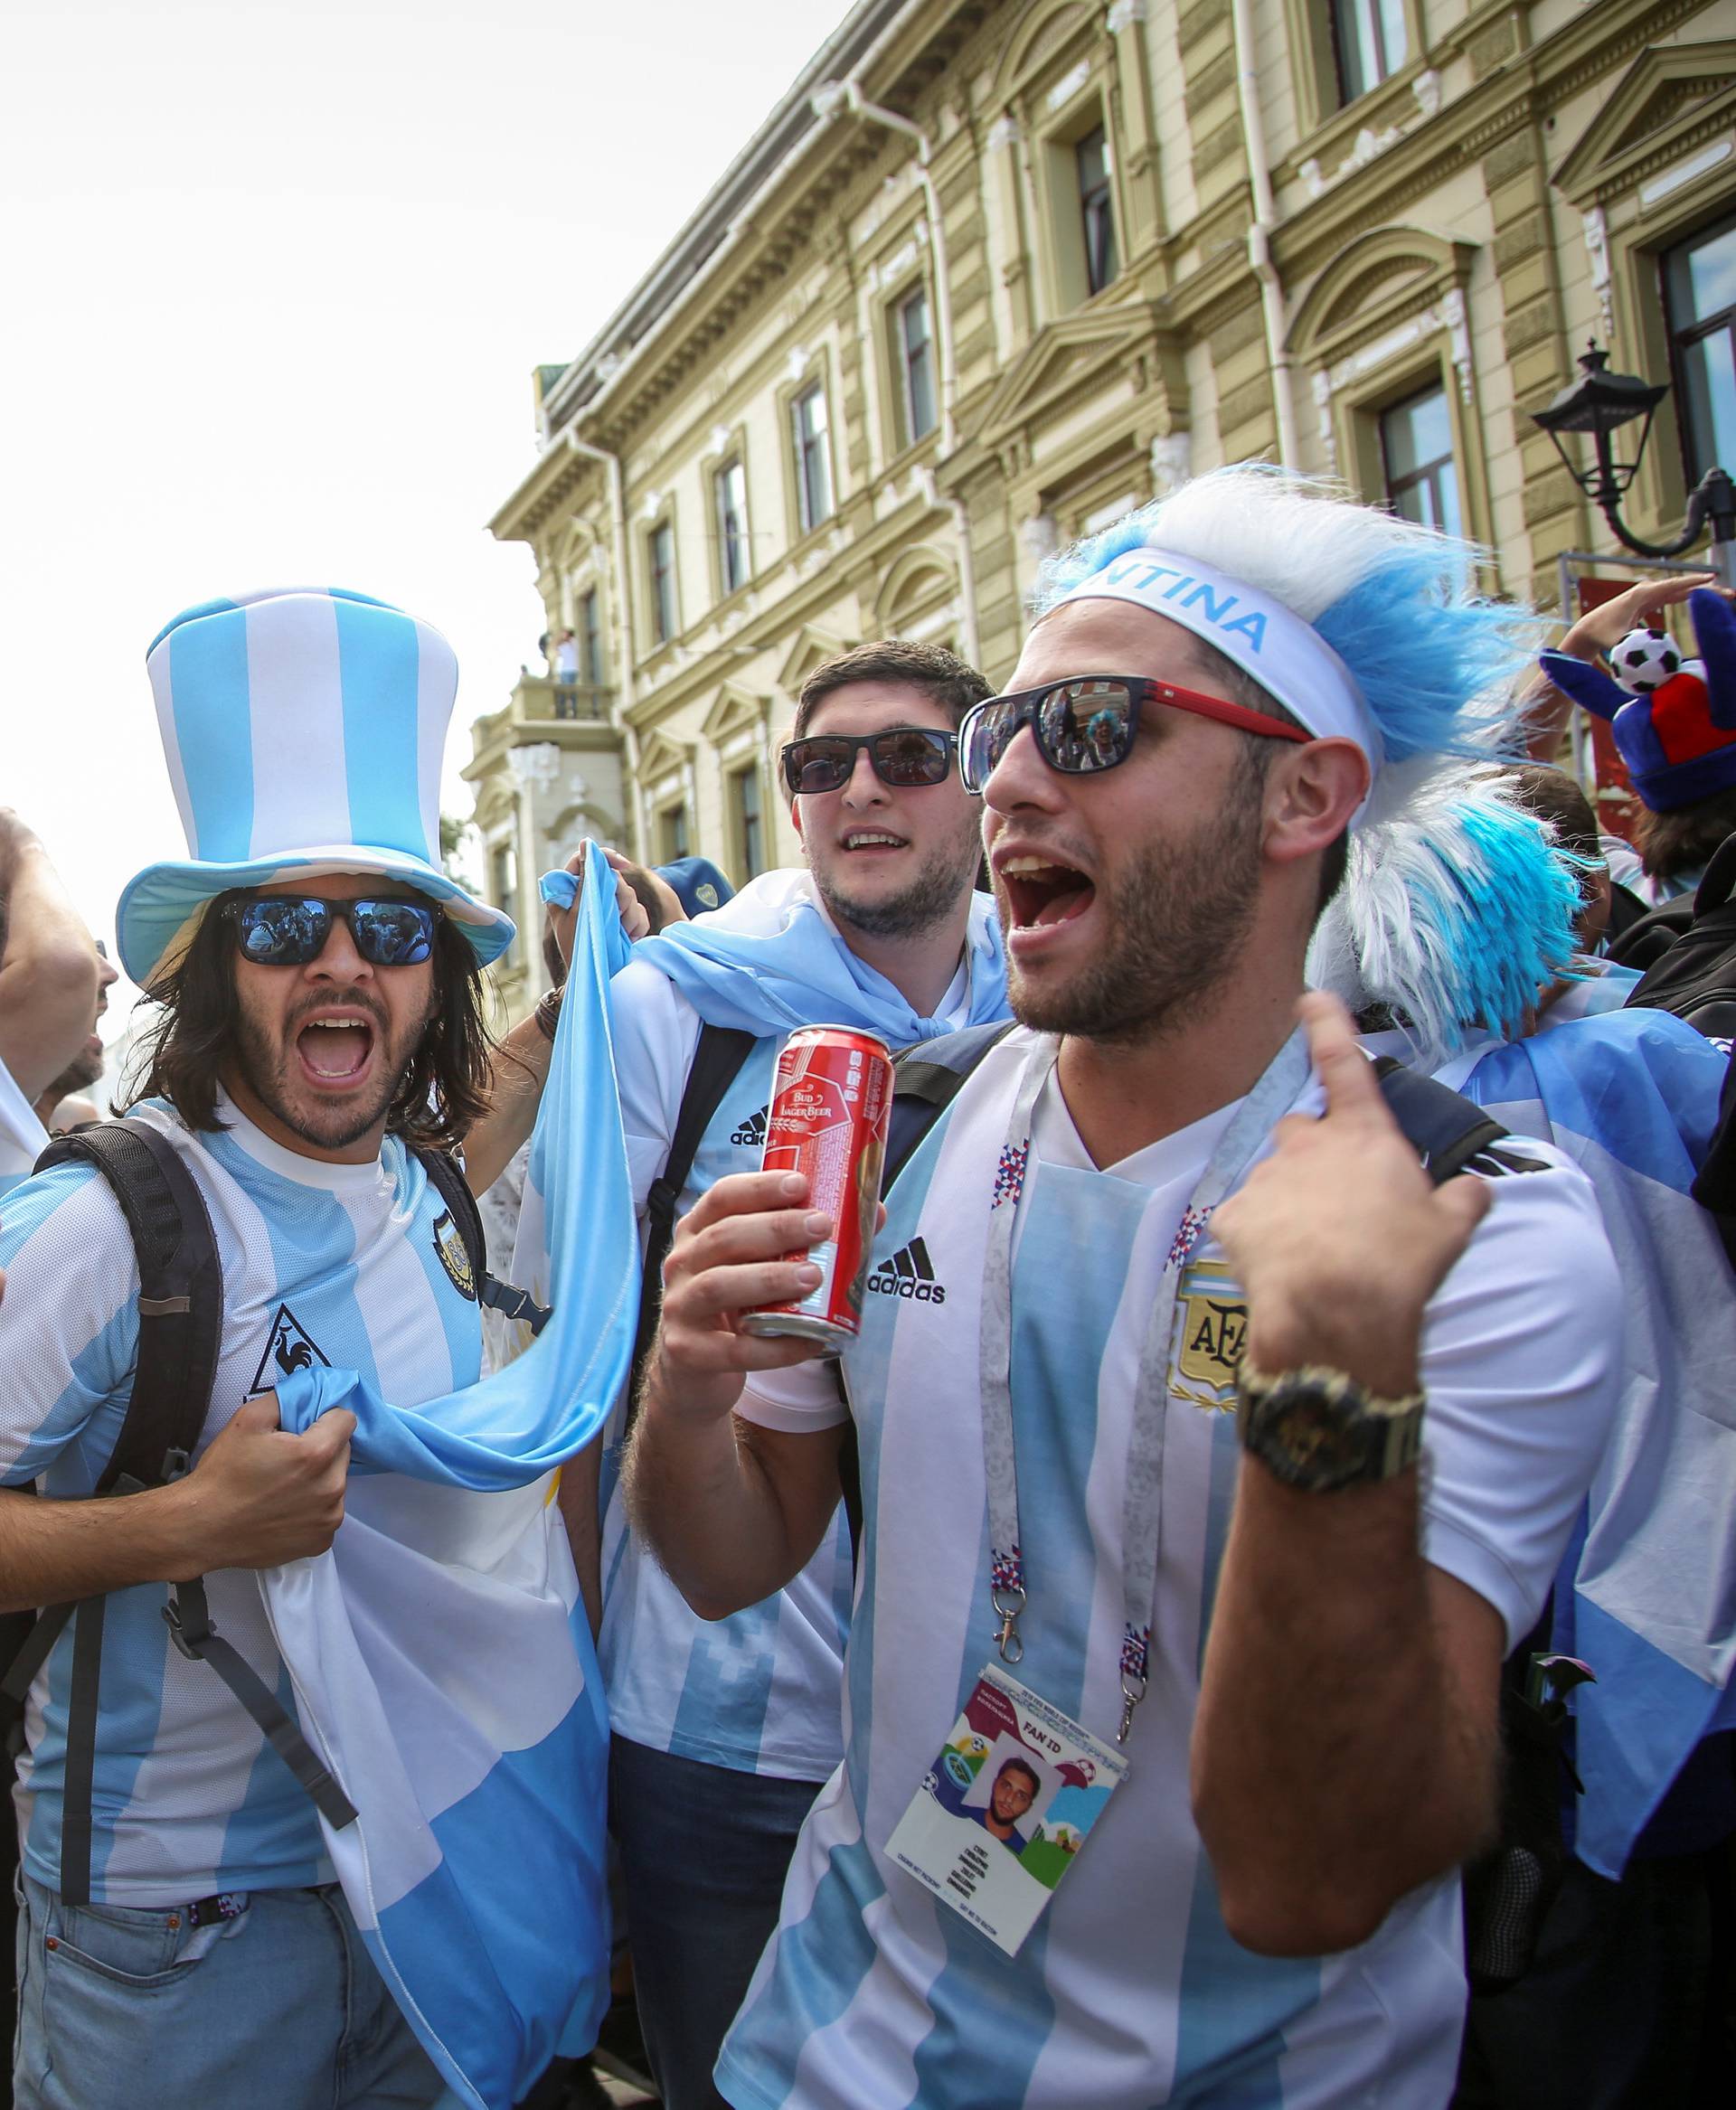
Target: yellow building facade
(994, 270)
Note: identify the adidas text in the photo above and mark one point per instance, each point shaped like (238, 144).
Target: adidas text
(752, 1134)
(909, 1273)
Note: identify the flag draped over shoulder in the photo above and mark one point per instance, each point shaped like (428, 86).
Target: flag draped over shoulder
(771, 962)
(440, 1659)
(1633, 1097)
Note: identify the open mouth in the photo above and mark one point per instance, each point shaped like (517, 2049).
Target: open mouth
(858, 839)
(335, 1052)
(1042, 893)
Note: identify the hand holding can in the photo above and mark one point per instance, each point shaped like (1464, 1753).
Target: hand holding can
(830, 1104)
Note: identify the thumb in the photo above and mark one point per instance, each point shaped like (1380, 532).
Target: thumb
(331, 1432)
(257, 1415)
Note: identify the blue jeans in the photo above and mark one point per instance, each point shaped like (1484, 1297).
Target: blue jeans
(705, 1852)
(123, 2008)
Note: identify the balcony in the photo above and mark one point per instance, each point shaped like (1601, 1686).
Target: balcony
(578, 719)
(540, 697)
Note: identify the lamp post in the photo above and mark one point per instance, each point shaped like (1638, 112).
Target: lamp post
(1600, 403)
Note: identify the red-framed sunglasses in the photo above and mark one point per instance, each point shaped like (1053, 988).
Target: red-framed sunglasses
(1087, 724)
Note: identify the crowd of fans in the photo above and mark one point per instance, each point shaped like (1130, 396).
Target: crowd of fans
(1248, 1617)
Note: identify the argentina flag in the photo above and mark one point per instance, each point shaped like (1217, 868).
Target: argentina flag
(1633, 1097)
(440, 1659)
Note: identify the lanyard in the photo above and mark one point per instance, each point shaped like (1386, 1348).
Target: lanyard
(1009, 1587)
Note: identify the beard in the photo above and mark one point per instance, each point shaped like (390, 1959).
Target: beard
(1178, 914)
(265, 1060)
(931, 895)
(82, 1071)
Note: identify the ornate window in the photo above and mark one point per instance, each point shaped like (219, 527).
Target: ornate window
(1384, 332)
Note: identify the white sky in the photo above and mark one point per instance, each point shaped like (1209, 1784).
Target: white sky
(273, 278)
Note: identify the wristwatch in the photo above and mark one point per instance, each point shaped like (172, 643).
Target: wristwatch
(1319, 1429)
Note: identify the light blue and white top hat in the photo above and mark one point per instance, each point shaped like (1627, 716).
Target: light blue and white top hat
(304, 729)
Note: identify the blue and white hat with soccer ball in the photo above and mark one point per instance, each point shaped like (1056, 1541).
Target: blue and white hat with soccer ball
(304, 729)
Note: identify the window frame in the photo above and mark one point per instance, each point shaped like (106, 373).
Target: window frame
(807, 521)
(1681, 336)
(1104, 194)
(674, 826)
(593, 663)
(1390, 67)
(1434, 386)
(738, 775)
(905, 391)
(664, 622)
(734, 464)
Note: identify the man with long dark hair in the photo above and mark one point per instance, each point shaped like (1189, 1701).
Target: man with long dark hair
(319, 982)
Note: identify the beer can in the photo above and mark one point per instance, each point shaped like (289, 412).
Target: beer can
(827, 1118)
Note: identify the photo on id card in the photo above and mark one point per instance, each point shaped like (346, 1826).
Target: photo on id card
(1005, 1808)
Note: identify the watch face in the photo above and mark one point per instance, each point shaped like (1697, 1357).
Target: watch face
(1314, 1436)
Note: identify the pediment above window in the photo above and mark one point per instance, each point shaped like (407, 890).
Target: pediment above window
(1063, 360)
(1671, 100)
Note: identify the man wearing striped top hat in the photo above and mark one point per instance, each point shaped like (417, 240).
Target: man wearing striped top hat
(182, 1935)
(1145, 1501)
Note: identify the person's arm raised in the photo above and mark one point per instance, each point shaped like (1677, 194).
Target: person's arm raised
(732, 1509)
(522, 1059)
(1346, 1748)
(258, 1497)
(48, 964)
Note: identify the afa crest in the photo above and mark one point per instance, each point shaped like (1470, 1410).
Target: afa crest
(1212, 1314)
(454, 1257)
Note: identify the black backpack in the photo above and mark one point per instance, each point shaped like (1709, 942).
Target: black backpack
(180, 1332)
(1686, 951)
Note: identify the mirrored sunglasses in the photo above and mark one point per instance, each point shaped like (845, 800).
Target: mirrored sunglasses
(1087, 724)
(289, 930)
(905, 758)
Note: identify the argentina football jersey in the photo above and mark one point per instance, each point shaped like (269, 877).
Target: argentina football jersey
(756, 1693)
(355, 1266)
(1129, 1991)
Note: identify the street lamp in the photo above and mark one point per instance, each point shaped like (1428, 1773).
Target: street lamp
(1600, 403)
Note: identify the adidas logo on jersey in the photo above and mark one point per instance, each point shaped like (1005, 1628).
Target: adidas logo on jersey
(752, 1134)
(909, 1273)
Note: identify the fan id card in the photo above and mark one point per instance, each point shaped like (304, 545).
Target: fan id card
(1005, 1809)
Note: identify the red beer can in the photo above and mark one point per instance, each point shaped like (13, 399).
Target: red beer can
(829, 1106)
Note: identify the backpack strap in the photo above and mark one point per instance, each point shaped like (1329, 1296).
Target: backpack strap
(1448, 1132)
(180, 1298)
(717, 1063)
(190, 1626)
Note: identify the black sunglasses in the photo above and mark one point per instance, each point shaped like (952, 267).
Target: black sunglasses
(906, 758)
(1087, 725)
(289, 930)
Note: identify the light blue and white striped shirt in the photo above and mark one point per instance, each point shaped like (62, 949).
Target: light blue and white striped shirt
(1130, 1992)
(339, 1263)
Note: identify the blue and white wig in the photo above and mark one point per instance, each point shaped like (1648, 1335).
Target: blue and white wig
(1454, 910)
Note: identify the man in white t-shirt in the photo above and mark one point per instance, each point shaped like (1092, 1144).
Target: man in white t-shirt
(51, 984)
(1143, 1496)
